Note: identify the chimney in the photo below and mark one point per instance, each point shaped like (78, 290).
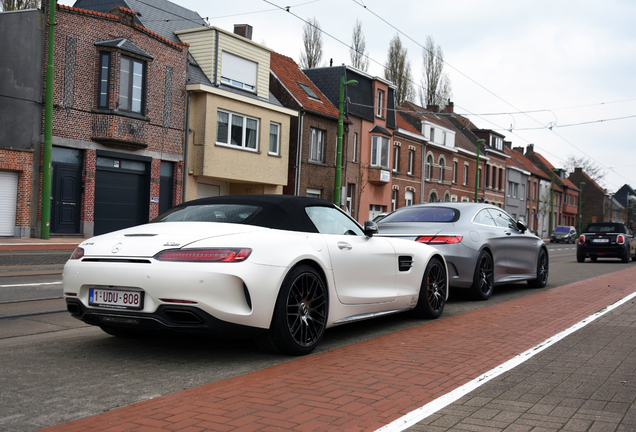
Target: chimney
(126, 16)
(432, 108)
(519, 149)
(450, 107)
(244, 30)
(530, 148)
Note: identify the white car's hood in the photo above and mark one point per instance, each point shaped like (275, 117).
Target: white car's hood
(149, 239)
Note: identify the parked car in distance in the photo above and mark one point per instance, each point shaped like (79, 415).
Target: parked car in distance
(606, 240)
(563, 233)
(482, 244)
(278, 268)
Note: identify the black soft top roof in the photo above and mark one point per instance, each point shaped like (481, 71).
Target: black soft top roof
(284, 212)
(609, 227)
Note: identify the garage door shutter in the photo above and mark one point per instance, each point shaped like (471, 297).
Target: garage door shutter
(8, 202)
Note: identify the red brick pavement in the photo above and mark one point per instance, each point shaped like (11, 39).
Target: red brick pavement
(369, 384)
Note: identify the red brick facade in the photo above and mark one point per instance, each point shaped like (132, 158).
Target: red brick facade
(156, 133)
(22, 162)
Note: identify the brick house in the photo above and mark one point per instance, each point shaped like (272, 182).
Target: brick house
(117, 122)
(517, 179)
(369, 139)
(408, 150)
(21, 66)
(597, 205)
(494, 172)
(626, 196)
(313, 133)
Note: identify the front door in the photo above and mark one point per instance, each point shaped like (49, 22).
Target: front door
(67, 198)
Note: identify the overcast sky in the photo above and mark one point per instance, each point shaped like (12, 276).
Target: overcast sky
(561, 73)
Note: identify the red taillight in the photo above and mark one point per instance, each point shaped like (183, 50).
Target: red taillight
(77, 253)
(582, 239)
(620, 239)
(204, 255)
(438, 240)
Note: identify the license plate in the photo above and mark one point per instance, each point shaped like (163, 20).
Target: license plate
(116, 299)
(600, 240)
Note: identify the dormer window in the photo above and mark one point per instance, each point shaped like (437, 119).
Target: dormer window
(238, 72)
(496, 142)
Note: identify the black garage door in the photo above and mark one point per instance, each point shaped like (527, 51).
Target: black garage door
(122, 191)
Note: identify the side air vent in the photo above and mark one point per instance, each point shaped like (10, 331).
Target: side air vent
(405, 263)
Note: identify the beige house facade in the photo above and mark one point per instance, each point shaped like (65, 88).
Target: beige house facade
(238, 133)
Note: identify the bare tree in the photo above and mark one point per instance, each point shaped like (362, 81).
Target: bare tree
(10, 5)
(398, 71)
(358, 50)
(436, 86)
(312, 42)
(593, 171)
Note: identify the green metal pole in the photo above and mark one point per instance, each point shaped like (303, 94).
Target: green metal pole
(338, 180)
(580, 204)
(48, 130)
(479, 141)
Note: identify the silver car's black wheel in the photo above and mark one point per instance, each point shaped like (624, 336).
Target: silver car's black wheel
(300, 315)
(543, 267)
(484, 278)
(433, 290)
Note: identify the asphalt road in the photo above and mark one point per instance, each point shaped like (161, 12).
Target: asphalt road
(55, 369)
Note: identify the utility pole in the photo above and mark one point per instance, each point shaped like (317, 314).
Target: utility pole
(47, 151)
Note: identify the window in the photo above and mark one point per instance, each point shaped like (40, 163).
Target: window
(316, 144)
(454, 172)
(355, 147)
(396, 155)
(104, 80)
(487, 179)
(236, 130)
(238, 72)
(394, 198)
(509, 188)
(433, 197)
(351, 188)
(411, 161)
(429, 166)
(274, 138)
(329, 220)
(380, 104)
(465, 175)
(131, 84)
(308, 90)
(314, 193)
(408, 196)
(380, 152)
(441, 169)
(522, 194)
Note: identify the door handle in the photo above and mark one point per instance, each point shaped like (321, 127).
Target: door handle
(508, 233)
(66, 203)
(344, 246)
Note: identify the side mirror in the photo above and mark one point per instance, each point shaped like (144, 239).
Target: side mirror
(522, 226)
(370, 228)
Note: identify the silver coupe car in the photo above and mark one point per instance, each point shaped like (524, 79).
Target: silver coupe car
(482, 244)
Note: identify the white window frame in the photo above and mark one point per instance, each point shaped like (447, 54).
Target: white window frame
(394, 198)
(442, 165)
(465, 175)
(132, 88)
(316, 145)
(230, 123)
(429, 167)
(355, 147)
(314, 193)
(411, 161)
(380, 104)
(238, 72)
(380, 151)
(408, 198)
(396, 156)
(455, 172)
(276, 150)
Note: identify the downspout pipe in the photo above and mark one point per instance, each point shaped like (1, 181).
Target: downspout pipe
(185, 148)
(299, 153)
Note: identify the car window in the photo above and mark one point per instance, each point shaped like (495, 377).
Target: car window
(332, 221)
(484, 218)
(561, 229)
(606, 228)
(502, 219)
(423, 214)
(228, 213)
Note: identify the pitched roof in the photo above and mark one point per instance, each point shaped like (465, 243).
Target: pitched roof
(159, 16)
(403, 124)
(304, 91)
(527, 164)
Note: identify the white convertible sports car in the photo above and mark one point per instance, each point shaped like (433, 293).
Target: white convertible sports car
(278, 268)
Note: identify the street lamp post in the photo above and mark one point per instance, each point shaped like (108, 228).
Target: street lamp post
(479, 141)
(580, 204)
(338, 179)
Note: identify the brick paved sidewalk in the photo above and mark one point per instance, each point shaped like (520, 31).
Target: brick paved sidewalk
(368, 385)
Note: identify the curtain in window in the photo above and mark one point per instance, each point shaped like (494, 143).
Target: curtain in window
(222, 127)
(315, 145)
(250, 133)
(124, 82)
(137, 84)
(273, 138)
(237, 130)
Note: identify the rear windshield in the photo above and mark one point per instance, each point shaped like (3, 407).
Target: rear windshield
(562, 229)
(229, 213)
(606, 228)
(423, 214)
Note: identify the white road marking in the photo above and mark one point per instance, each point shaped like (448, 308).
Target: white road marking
(430, 408)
